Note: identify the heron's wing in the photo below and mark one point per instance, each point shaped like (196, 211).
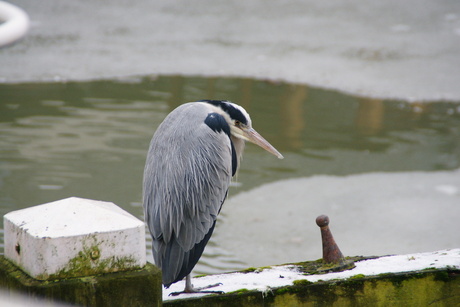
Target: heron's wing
(187, 174)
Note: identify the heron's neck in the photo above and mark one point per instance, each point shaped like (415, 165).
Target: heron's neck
(239, 147)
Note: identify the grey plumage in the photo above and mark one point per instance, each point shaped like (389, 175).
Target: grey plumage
(190, 163)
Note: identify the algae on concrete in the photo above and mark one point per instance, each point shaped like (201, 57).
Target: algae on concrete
(139, 287)
(434, 287)
(88, 263)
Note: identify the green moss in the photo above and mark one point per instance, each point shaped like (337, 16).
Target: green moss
(319, 267)
(255, 270)
(239, 291)
(249, 270)
(88, 262)
(309, 267)
(140, 287)
(326, 266)
(301, 282)
(357, 276)
(395, 279)
(385, 275)
(283, 290)
(353, 285)
(441, 276)
(398, 278)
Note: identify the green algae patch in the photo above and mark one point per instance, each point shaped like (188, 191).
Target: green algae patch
(254, 270)
(88, 262)
(320, 267)
(249, 270)
(137, 287)
(240, 291)
(357, 276)
(302, 282)
(443, 275)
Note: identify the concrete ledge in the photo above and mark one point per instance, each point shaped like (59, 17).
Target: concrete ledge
(420, 279)
(140, 287)
(74, 237)
(421, 288)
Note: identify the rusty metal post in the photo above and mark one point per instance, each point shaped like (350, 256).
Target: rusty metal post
(331, 251)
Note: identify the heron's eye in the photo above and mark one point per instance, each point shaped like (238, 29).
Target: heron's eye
(237, 123)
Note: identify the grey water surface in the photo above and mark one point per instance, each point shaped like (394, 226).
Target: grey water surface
(89, 139)
(404, 49)
(83, 92)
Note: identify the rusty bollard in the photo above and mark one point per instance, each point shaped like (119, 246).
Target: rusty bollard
(333, 258)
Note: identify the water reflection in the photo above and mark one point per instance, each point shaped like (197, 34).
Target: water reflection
(292, 112)
(89, 139)
(369, 117)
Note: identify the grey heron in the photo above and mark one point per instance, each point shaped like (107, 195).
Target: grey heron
(192, 157)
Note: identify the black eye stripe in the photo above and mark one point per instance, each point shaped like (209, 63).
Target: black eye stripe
(217, 123)
(233, 112)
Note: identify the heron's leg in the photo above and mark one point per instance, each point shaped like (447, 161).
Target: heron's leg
(188, 284)
(189, 288)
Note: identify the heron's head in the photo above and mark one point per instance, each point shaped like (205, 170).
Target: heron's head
(241, 125)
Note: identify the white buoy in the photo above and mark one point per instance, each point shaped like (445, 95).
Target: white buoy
(14, 23)
(74, 237)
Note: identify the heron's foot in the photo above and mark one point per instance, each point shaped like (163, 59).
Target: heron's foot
(203, 289)
(198, 290)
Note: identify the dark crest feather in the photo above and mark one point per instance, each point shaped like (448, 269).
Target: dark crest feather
(233, 112)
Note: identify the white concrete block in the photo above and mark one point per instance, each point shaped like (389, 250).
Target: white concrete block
(74, 237)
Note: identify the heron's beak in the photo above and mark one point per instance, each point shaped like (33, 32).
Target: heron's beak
(253, 136)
